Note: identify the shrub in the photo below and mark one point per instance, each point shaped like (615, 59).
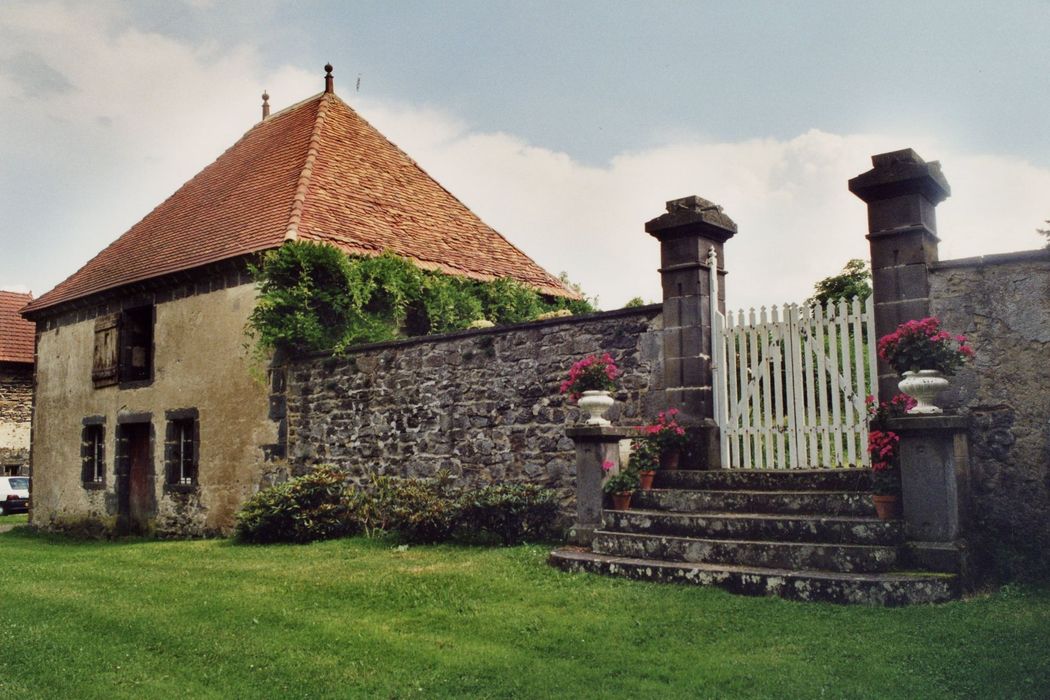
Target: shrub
(316, 506)
(313, 297)
(513, 512)
(419, 510)
(304, 297)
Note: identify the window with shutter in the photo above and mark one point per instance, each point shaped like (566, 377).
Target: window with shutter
(136, 344)
(107, 351)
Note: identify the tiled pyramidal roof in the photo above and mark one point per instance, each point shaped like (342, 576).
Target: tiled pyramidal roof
(316, 171)
(16, 333)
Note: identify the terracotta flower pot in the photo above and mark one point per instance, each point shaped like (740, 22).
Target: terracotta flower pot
(670, 459)
(888, 507)
(646, 477)
(621, 501)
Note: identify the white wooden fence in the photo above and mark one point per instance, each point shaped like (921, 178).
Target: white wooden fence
(790, 384)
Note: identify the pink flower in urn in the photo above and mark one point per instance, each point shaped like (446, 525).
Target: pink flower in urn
(607, 465)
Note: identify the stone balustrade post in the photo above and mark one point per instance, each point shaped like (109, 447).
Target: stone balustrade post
(595, 445)
(902, 192)
(691, 227)
(935, 488)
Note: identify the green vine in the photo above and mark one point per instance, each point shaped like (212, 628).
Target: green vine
(313, 297)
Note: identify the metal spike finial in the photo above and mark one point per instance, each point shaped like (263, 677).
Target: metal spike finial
(329, 81)
(266, 104)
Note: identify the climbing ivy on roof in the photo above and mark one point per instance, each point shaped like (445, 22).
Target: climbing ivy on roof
(313, 297)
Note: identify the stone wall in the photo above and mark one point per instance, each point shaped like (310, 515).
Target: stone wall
(482, 404)
(1002, 303)
(16, 411)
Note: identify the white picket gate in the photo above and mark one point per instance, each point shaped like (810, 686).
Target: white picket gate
(790, 384)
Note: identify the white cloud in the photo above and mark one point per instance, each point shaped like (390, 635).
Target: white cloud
(797, 221)
(135, 114)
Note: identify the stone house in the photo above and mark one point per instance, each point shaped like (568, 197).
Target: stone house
(16, 383)
(150, 413)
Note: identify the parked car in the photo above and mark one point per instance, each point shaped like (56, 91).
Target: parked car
(14, 494)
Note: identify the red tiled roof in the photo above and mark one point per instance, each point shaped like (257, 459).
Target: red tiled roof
(16, 333)
(315, 171)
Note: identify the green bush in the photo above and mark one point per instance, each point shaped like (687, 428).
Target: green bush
(305, 297)
(421, 511)
(313, 297)
(316, 506)
(513, 512)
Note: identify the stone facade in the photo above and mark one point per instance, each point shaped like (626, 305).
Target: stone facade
(1002, 303)
(16, 410)
(201, 366)
(482, 404)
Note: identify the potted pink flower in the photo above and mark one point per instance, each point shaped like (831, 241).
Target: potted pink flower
(620, 487)
(925, 355)
(590, 383)
(882, 448)
(644, 460)
(668, 437)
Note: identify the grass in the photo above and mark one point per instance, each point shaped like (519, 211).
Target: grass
(14, 519)
(359, 618)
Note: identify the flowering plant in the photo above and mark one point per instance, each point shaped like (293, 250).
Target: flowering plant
(666, 434)
(882, 442)
(922, 344)
(623, 482)
(592, 373)
(645, 456)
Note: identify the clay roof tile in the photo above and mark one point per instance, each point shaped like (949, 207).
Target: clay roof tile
(314, 171)
(16, 333)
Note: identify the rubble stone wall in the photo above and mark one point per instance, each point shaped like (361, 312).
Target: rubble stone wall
(1002, 303)
(16, 412)
(483, 405)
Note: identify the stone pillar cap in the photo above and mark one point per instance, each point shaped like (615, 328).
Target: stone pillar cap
(692, 215)
(898, 173)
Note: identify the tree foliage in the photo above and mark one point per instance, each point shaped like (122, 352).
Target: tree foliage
(853, 281)
(313, 297)
(1045, 232)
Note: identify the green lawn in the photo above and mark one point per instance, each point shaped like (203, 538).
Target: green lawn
(359, 618)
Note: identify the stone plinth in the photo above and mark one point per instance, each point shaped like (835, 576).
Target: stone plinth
(595, 445)
(935, 487)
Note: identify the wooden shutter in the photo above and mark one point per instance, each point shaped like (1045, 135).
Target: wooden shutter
(107, 350)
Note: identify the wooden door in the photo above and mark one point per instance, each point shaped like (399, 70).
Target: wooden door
(135, 482)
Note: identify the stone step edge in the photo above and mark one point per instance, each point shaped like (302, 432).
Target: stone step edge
(948, 583)
(762, 492)
(713, 540)
(737, 515)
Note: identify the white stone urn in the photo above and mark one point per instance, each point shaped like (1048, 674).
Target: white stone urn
(923, 386)
(595, 404)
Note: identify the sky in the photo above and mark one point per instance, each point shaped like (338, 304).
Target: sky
(564, 125)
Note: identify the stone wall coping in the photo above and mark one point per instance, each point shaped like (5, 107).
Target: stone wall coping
(649, 311)
(943, 422)
(602, 433)
(995, 259)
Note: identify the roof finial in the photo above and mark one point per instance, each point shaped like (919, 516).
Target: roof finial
(266, 104)
(329, 81)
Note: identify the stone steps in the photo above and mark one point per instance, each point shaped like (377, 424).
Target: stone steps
(758, 526)
(805, 535)
(848, 558)
(810, 502)
(894, 588)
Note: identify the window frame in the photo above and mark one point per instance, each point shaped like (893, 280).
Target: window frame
(117, 337)
(93, 453)
(182, 450)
